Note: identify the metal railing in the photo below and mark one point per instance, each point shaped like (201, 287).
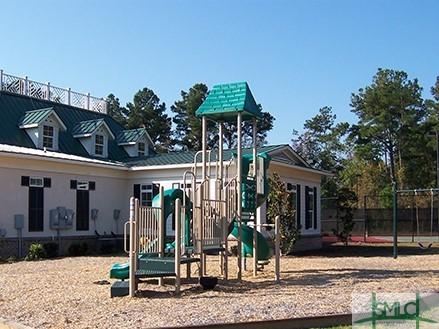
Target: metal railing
(39, 90)
(148, 229)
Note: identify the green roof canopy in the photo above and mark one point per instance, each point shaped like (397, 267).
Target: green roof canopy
(225, 101)
(132, 136)
(87, 128)
(32, 119)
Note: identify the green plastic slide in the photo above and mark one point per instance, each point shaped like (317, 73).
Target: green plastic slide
(264, 250)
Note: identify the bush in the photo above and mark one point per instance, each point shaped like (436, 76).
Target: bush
(107, 248)
(36, 252)
(77, 249)
(50, 249)
(346, 202)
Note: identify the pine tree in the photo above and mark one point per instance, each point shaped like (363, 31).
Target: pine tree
(147, 111)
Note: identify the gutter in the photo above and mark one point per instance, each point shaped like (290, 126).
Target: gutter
(312, 170)
(54, 159)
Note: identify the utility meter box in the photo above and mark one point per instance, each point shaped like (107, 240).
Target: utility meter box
(18, 222)
(61, 218)
(116, 214)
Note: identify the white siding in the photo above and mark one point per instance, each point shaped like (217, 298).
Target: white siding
(110, 194)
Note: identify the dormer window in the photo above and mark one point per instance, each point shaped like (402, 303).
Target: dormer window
(99, 145)
(94, 136)
(43, 127)
(141, 148)
(136, 142)
(48, 134)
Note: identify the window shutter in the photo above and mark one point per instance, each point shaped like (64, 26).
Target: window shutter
(137, 191)
(73, 184)
(91, 186)
(47, 182)
(24, 180)
(315, 208)
(298, 205)
(155, 190)
(307, 218)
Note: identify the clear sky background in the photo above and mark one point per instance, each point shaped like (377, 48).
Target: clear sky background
(297, 56)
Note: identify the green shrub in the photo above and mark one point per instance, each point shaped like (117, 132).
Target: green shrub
(77, 249)
(50, 249)
(11, 259)
(36, 252)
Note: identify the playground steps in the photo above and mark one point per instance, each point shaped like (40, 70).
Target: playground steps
(160, 267)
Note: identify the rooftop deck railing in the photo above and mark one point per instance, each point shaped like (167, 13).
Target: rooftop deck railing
(39, 90)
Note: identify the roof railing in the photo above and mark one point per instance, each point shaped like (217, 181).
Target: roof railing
(39, 90)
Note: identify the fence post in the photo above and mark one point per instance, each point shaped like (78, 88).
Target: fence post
(366, 225)
(277, 249)
(177, 245)
(1, 79)
(26, 86)
(48, 91)
(69, 95)
(88, 101)
(105, 105)
(395, 220)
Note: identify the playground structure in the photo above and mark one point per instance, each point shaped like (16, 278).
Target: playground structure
(416, 198)
(218, 199)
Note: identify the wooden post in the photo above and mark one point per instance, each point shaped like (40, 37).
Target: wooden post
(1, 79)
(132, 285)
(277, 249)
(239, 183)
(255, 220)
(177, 245)
(162, 228)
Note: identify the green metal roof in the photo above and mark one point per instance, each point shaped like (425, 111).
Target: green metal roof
(126, 137)
(226, 100)
(13, 108)
(87, 128)
(34, 117)
(185, 157)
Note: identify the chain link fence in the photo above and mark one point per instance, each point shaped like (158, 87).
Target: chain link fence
(418, 215)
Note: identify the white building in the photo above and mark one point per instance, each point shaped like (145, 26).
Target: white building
(53, 154)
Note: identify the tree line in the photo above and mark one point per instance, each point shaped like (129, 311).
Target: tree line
(392, 141)
(182, 131)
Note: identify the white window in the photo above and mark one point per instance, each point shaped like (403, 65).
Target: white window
(146, 195)
(141, 149)
(48, 135)
(309, 208)
(82, 186)
(36, 182)
(99, 145)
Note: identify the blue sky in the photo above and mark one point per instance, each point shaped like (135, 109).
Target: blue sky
(297, 56)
